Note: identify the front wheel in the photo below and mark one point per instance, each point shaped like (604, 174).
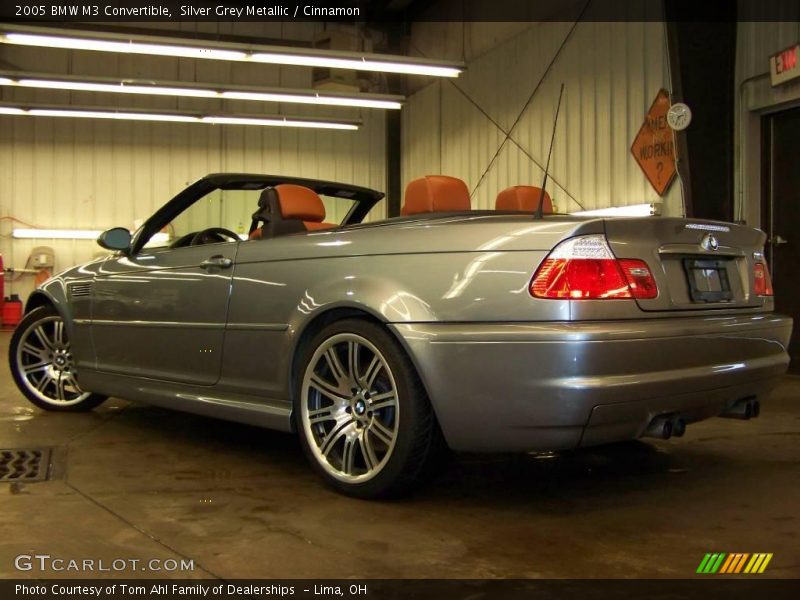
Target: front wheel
(362, 413)
(41, 363)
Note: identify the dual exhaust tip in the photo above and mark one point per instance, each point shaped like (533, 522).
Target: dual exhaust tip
(746, 408)
(665, 426)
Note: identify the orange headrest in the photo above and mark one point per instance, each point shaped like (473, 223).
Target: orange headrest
(523, 197)
(298, 202)
(436, 193)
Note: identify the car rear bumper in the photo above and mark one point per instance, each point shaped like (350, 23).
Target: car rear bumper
(499, 387)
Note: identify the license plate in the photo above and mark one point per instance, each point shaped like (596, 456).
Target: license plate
(708, 279)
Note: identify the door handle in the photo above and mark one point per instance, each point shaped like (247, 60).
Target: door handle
(779, 241)
(216, 262)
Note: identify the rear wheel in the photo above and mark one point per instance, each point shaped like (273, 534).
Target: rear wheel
(362, 413)
(41, 363)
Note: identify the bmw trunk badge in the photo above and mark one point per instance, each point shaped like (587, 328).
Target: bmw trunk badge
(710, 242)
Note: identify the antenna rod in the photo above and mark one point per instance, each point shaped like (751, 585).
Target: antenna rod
(540, 209)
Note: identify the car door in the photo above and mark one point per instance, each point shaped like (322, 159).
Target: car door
(160, 313)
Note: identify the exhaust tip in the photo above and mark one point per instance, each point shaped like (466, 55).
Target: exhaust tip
(746, 408)
(660, 427)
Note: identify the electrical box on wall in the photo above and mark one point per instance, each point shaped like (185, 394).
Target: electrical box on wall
(43, 257)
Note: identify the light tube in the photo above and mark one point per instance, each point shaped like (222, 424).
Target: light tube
(120, 88)
(278, 56)
(363, 64)
(273, 121)
(191, 92)
(633, 210)
(277, 122)
(70, 43)
(57, 234)
(72, 234)
(122, 116)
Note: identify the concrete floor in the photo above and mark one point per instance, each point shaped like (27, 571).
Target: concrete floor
(141, 482)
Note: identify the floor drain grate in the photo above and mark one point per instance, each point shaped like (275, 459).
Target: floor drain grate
(24, 464)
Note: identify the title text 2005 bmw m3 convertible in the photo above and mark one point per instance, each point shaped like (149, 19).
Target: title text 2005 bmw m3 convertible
(379, 343)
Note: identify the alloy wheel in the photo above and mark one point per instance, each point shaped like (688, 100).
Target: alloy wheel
(349, 408)
(45, 365)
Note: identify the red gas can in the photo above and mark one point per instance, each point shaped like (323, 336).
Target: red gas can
(12, 311)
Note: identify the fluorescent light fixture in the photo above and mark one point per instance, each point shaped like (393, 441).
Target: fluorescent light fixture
(131, 47)
(633, 210)
(277, 122)
(72, 234)
(120, 88)
(359, 64)
(57, 234)
(176, 89)
(265, 121)
(122, 116)
(309, 99)
(279, 55)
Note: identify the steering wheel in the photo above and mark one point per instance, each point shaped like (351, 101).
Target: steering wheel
(214, 235)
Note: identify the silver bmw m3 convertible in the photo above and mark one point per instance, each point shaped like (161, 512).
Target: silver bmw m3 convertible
(271, 301)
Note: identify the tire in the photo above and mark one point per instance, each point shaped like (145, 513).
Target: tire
(372, 434)
(41, 364)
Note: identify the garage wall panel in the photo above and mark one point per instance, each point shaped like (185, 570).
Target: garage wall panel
(94, 174)
(755, 96)
(611, 71)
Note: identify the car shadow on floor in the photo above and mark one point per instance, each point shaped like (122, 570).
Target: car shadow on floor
(610, 470)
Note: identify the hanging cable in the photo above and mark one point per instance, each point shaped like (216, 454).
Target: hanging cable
(531, 97)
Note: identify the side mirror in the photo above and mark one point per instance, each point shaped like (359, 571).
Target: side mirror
(117, 238)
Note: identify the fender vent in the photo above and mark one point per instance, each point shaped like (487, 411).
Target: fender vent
(79, 290)
(24, 464)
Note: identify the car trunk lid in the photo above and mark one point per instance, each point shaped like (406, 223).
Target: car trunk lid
(698, 265)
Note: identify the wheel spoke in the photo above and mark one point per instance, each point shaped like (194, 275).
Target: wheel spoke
(58, 333)
(349, 454)
(372, 371)
(336, 366)
(28, 370)
(380, 431)
(40, 353)
(353, 350)
(41, 334)
(321, 415)
(335, 435)
(43, 382)
(381, 401)
(60, 391)
(326, 389)
(367, 451)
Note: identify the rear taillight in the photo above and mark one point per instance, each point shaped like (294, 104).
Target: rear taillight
(763, 282)
(584, 268)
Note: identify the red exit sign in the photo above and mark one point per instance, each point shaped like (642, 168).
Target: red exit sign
(783, 65)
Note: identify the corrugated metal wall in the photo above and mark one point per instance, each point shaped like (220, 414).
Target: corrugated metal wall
(755, 96)
(612, 73)
(92, 174)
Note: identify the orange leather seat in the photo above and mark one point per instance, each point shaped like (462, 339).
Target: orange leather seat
(298, 202)
(523, 198)
(435, 193)
(289, 208)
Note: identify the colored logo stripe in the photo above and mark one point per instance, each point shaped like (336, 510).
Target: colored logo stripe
(711, 563)
(737, 562)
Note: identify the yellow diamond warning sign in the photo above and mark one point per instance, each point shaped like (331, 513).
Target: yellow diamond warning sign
(654, 147)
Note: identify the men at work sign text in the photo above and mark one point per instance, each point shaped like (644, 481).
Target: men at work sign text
(654, 146)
